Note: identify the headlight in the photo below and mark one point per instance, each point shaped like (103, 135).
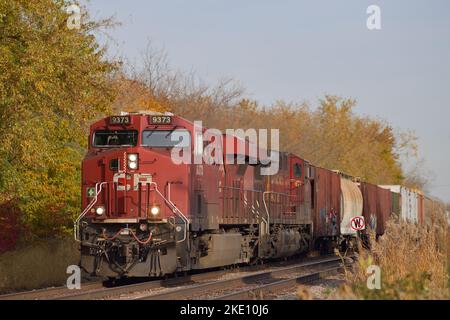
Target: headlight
(132, 165)
(99, 211)
(154, 210)
(132, 161)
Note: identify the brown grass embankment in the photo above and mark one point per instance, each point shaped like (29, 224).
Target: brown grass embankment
(38, 265)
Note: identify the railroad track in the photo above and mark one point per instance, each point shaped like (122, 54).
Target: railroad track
(263, 291)
(177, 288)
(49, 293)
(176, 284)
(114, 292)
(252, 285)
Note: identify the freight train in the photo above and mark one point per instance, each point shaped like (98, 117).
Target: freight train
(146, 215)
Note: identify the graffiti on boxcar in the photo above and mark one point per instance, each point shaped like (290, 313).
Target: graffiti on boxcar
(373, 222)
(329, 221)
(333, 219)
(323, 219)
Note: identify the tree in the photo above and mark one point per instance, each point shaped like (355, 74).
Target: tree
(53, 82)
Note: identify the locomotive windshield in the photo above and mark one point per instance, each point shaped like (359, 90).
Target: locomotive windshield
(115, 138)
(166, 138)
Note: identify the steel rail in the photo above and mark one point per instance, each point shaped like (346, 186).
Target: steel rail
(155, 284)
(49, 292)
(261, 291)
(190, 291)
(125, 289)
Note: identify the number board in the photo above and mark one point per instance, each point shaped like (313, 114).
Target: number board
(120, 120)
(160, 119)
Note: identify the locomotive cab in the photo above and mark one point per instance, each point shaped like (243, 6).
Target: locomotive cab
(134, 196)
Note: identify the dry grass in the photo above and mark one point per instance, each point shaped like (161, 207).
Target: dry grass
(304, 293)
(414, 264)
(38, 265)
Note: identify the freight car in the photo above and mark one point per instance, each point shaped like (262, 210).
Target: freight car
(147, 215)
(410, 203)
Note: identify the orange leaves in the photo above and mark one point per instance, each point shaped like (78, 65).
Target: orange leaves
(135, 96)
(53, 82)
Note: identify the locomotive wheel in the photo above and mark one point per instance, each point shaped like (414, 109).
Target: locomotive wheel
(111, 282)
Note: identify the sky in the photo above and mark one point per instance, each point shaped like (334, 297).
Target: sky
(301, 50)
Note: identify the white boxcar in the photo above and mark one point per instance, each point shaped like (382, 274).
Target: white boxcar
(351, 205)
(409, 202)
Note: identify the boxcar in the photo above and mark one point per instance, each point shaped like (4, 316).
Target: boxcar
(351, 205)
(396, 203)
(384, 200)
(369, 193)
(411, 204)
(327, 203)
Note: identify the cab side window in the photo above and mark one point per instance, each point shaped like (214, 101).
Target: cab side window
(297, 170)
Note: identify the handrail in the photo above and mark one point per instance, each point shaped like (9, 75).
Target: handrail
(265, 205)
(267, 211)
(253, 209)
(174, 208)
(183, 217)
(98, 189)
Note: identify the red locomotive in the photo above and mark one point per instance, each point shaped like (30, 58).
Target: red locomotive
(146, 215)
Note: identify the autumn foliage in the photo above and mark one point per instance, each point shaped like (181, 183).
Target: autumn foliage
(53, 82)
